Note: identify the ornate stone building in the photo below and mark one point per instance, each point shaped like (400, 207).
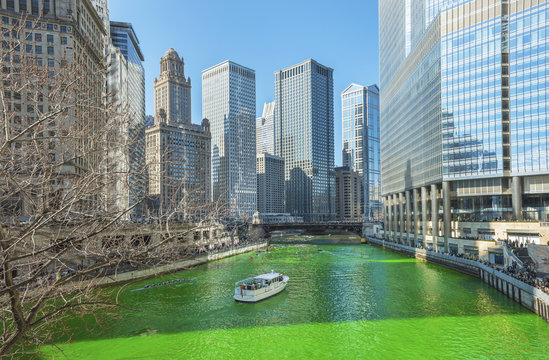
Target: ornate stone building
(172, 92)
(56, 35)
(178, 152)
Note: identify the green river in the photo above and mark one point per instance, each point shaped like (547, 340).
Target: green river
(347, 301)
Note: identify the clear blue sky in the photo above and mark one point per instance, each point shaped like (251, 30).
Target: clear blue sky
(264, 35)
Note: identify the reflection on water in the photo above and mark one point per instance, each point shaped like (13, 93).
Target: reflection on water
(343, 301)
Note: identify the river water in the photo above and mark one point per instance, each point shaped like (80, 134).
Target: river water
(347, 301)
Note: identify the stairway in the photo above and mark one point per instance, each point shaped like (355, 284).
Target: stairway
(522, 254)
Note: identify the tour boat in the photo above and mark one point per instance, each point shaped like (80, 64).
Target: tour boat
(260, 287)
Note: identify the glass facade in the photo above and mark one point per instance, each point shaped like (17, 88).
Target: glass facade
(228, 102)
(127, 81)
(304, 137)
(529, 89)
(265, 130)
(484, 110)
(471, 63)
(360, 116)
(410, 98)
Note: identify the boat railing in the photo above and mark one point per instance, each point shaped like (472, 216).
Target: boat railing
(244, 282)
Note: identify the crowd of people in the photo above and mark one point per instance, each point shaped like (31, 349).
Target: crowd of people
(527, 273)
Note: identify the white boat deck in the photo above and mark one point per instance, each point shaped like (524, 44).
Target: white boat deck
(260, 287)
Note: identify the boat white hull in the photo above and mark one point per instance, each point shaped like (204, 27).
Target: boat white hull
(252, 296)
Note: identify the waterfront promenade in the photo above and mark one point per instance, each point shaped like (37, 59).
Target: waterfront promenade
(526, 295)
(130, 276)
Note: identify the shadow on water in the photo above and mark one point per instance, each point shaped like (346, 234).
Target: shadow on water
(342, 283)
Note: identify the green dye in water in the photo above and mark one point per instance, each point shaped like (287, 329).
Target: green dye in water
(348, 301)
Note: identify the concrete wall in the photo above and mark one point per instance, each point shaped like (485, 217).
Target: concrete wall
(174, 267)
(484, 247)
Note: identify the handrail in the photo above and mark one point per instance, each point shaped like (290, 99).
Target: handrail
(512, 255)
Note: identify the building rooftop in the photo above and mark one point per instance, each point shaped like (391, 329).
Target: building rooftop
(227, 62)
(303, 62)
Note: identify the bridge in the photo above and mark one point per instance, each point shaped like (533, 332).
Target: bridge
(313, 228)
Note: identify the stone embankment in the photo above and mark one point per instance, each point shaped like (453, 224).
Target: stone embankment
(125, 277)
(526, 295)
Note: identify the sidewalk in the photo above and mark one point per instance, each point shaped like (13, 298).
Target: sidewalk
(174, 267)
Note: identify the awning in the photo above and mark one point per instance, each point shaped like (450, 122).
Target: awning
(526, 231)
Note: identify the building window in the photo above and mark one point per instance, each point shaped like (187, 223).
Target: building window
(34, 6)
(38, 49)
(63, 40)
(50, 38)
(46, 7)
(23, 6)
(38, 37)
(50, 50)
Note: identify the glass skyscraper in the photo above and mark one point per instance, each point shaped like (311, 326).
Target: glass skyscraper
(464, 110)
(126, 82)
(304, 138)
(265, 130)
(228, 102)
(360, 117)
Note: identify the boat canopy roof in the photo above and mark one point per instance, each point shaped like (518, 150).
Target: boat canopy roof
(267, 276)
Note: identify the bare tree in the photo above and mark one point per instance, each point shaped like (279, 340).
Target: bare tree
(61, 234)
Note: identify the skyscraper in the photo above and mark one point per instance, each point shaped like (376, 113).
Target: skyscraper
(102, 9)
(172, 92)
(126, 83)
(304, 137)
(228, 101)
(464, 110)
(349, 197)
(178, 152)
(360, 117)
(270, 183)
(54, 38)
(265, 130)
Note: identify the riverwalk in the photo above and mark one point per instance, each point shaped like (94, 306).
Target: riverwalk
(125, 277)
(526, 295)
